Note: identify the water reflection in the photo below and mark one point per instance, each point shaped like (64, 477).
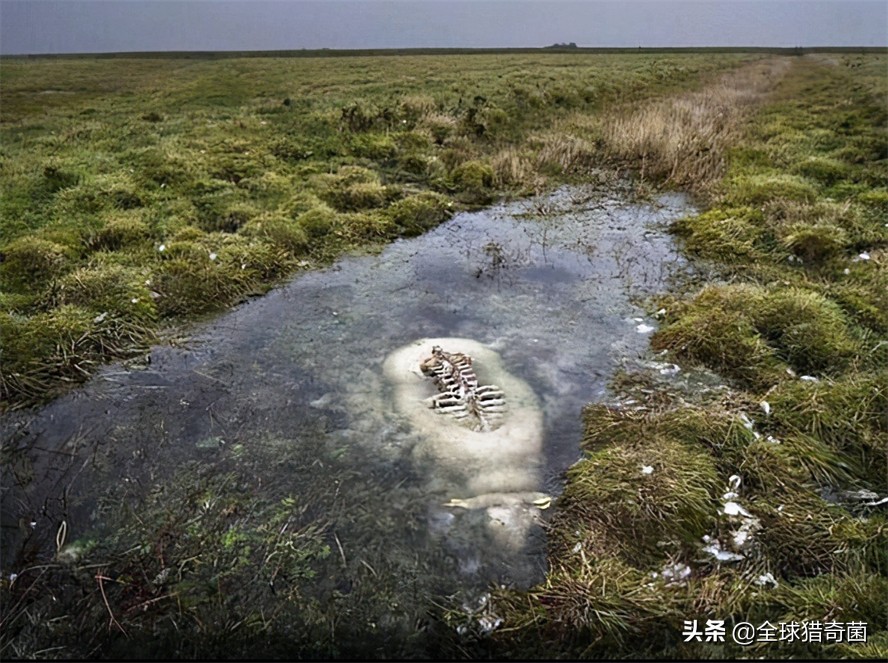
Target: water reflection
(555, 295)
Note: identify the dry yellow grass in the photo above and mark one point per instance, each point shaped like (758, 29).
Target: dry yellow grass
(511, 167)
(684, 137)
(562, 153)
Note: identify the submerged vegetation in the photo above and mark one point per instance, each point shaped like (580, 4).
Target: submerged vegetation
(136, 194)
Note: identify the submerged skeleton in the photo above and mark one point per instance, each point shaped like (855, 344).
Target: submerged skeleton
(480, 406)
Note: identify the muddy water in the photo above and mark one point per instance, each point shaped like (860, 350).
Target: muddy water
(551, 285)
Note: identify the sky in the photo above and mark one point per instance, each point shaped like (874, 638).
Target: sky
(101, 26)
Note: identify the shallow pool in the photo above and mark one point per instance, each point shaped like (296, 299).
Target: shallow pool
(552, 285)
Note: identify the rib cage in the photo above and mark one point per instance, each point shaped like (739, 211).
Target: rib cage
(481, 407)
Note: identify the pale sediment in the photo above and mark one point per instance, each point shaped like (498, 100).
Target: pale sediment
(496, 470)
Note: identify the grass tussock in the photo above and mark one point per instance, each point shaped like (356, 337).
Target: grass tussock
(559, 153)
(644, 494)
(627, 557)
(49, 350)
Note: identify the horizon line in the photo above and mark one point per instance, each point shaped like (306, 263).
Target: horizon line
(560, 48)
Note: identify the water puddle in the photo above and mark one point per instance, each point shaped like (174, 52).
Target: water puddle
(544, 291)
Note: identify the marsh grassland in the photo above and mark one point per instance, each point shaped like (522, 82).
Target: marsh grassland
(136, 192)
(141, 194)
(794, 171)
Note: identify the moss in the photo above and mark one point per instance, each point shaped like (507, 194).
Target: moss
(252, 265)
(415, 141)
(365, 226)
(293, 149)
(158, 167)
(875, 199)
(300, 202)
(188, 234)
(352, 188)
(348, 175)
(472, 176)
(185, 249)
(217, 269)
(16, 302)
(190, 283)
(219, 215)
(376, 146)
(56, 177)
(358, 196)
(749, 157)
(81, 200)
(234, 165)
(472, 182)
(416, 165)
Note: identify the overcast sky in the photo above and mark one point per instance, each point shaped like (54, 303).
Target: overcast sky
(93, 26)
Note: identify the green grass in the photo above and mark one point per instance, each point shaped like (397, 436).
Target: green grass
(801, 195)
(246, 168)
(193, 182)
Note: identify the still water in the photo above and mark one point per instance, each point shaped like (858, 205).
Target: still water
(548, 290)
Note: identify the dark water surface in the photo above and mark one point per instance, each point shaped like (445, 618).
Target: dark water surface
(551, 284)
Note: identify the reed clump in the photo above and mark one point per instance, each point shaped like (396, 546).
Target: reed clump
(684, 139)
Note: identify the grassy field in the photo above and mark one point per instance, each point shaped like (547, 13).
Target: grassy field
(772, 470)
(138, 193)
